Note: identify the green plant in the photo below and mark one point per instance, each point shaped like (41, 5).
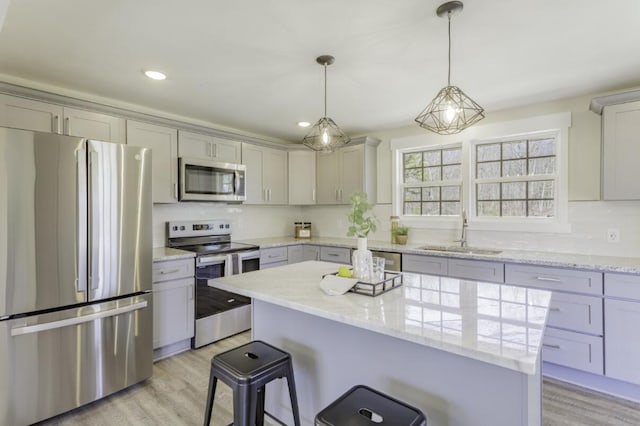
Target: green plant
(362, 220)
(402, 230)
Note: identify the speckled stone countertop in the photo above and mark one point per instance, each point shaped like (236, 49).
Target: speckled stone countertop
(166, 253)
(462, 320)
(630, 265)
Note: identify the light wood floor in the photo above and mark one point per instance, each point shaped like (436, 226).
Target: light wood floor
(176, 394)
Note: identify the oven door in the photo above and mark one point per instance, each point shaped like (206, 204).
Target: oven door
(202, 180)
(246, 261)
(219, 313)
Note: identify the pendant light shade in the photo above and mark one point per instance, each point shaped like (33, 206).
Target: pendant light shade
(451, 111)
(325, 135)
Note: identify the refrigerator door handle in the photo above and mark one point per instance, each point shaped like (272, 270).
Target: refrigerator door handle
(94, 221)
(36, 328)
(81, 216)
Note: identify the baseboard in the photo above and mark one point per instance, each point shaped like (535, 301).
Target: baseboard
(171, 350)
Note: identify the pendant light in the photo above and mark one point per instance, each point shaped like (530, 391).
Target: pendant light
(325, 135)
(451, 111)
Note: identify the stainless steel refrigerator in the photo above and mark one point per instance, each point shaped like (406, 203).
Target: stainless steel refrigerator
(75, 272)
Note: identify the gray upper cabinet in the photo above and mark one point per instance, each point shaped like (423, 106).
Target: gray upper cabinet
(620, 151)
(302, 177)
(347, 170)
(208, 147)
(22, 113)
(266, 178)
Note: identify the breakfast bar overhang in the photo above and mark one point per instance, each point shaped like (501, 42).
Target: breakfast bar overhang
(464, 352)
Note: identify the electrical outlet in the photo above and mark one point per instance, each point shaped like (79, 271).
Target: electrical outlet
(613, 235)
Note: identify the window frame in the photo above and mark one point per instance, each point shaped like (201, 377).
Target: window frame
(530, 128)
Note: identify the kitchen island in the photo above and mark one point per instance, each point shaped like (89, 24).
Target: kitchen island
(464, 352)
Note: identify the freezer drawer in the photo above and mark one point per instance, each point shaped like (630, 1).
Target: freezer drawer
(58, 361)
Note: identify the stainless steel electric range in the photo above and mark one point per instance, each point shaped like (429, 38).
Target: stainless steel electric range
(219, 313)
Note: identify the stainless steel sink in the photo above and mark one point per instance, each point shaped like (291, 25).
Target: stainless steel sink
(458, 249)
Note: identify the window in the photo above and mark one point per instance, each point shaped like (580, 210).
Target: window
(432, 182)
(516, 178)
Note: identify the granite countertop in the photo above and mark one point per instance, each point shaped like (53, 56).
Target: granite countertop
(629, 265)
(495, 323)
(166, 253)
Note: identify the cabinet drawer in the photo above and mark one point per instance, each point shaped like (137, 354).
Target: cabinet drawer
(622, 285)
(173, 269)
(477, 270)
(576, 312)
(573, 350)
(272, 255)
(335, 254)
(433, 265)
(554, 278)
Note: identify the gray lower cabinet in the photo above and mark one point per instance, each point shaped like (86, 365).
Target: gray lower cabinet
(452, 267)
(622, 327)
(274, 256)
(302, 252)
(335, 254)
(575, 327)
(173, 303)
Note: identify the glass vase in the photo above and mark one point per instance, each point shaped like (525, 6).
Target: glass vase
(362, 261)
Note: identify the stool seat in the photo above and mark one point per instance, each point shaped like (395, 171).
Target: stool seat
(364, 406)
(247, 369)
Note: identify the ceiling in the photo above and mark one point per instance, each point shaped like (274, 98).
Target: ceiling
(250, 64)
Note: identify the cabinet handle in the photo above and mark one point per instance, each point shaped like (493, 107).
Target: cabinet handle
(337, 199)
(340, 198)
(547, 345)
(333, 254)
(264, 194)
(175, 191)
(554, 309)
(313, 195)
(170, 271)
(269, 192)
(553, 280)
(190, 292)
(214, 150)
(56, 124)
(67, 125)
(209, 153)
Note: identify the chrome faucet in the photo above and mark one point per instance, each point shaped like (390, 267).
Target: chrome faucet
(463, 235)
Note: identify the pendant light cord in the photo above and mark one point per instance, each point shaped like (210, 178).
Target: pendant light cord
(325, 89)
(449, 69)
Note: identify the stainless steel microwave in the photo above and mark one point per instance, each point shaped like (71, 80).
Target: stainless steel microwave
(202, 180)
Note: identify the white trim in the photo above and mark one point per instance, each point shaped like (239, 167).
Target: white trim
(556, 124)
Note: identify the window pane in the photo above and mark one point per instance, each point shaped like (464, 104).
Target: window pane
(431, 209)
(538, 148)
(542, 166)
(488, 208)
(511, 150)
(412, 194)
(431, 158)
(451, 172)
(488, 170)
(514, 208)
(488, 152)
(543, 208)
(451, 208)
(514, 191)
(432, 173)
(451, 193)
(412, 175)
(413, 159)
(451, 156)
(514, 168)
(412, 208)
(541, 189)
(431, 193)
(488, 191)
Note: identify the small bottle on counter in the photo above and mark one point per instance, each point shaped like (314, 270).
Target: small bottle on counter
(395, 221)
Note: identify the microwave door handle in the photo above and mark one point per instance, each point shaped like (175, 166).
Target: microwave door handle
(81, 220)
(236, 182)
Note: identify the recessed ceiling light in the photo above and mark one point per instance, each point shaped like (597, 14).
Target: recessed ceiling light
(304, 123)
(155, 75)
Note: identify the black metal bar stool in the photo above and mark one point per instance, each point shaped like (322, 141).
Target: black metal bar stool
(247, 369)
(363, 406)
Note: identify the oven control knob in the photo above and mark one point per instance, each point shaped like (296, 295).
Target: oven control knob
(182, 228)
(175, 228)
(221, 226)
(227, 226)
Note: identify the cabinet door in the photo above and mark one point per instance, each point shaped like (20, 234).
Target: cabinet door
(173, 311)
(302, 177)
(622, 340)
(310, 252)
(295, 254)
(163, 142)
(476, 270)
(351, 172)
(335, 254)
(93, 125)
(620, 153)
(327, 178)
(208, 147)
(252, 158)
(26, 114)
(274, 175)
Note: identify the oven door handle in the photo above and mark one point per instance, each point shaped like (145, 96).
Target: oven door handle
(214, 260)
